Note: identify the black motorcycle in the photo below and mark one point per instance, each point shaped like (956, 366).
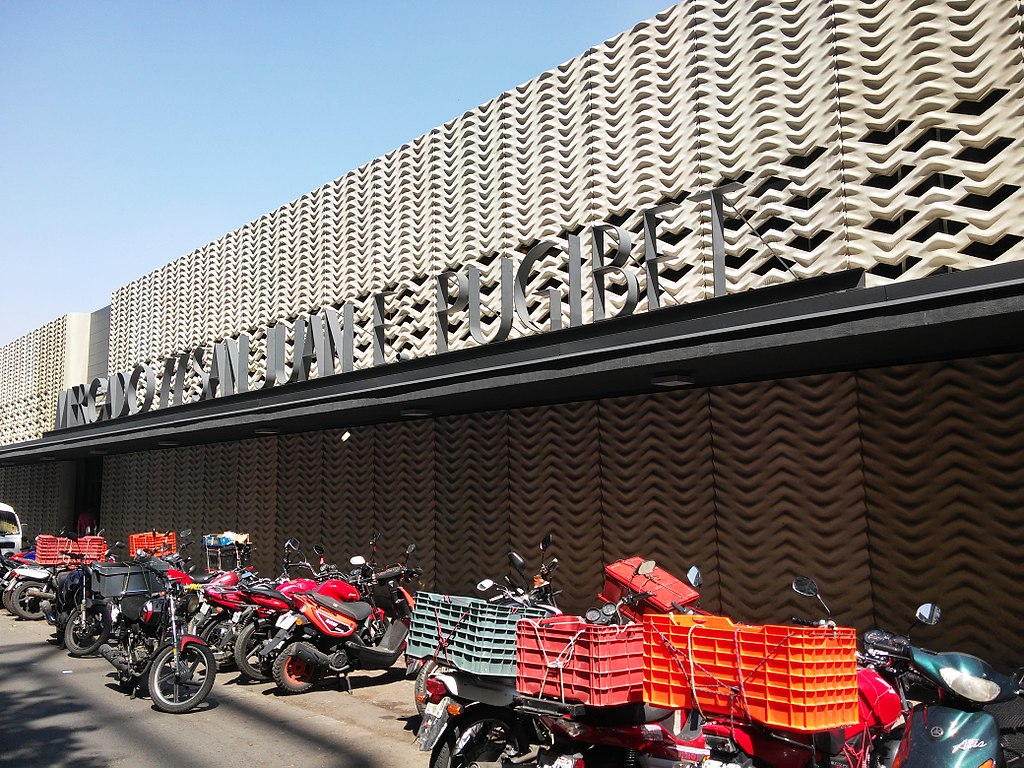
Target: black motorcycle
(148, 616)
(77, 612)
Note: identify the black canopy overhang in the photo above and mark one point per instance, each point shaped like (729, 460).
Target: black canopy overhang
(815, 325)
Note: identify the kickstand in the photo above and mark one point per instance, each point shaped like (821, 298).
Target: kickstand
(348, 683)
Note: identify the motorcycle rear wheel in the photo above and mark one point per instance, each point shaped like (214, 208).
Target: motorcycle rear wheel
(25, 600)
(84, 637)
(292, 674)
(220, 634)
(247, 645)
(178, 685)
(492, 732)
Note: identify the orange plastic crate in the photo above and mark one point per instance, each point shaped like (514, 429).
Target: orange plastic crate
(564, 658)
(53, 550)
(794, 678)
(621, 576)
(154, 542)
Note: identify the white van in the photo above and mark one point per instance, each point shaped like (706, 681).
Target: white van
(10, 530)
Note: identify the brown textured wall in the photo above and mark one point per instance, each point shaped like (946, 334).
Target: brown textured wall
(889, 486)
(944, 480)
(42, 495)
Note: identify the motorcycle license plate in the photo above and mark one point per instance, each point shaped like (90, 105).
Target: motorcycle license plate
(435, 717)
(287, 621)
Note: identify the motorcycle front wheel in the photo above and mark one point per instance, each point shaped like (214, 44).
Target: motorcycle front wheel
(83, 635)
(247, 659)
(26, 601)
(292, 673)
(484, 739)
(179, 683)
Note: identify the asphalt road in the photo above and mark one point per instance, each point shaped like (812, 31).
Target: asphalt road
(59, 711)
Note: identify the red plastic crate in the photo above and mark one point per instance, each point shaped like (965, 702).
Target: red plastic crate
(154, 542)
(564, 658)
(666, 588)
(796, 678)
(53, 550)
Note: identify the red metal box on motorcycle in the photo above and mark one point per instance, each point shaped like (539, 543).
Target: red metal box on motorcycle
(154, 542)
(53, 550)
(564, 658)
(467, 633)
(621, 577)
(794, 678)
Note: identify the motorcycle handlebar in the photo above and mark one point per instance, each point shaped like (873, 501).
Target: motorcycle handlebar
(805, 622)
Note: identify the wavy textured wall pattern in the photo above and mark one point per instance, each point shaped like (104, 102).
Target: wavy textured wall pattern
(874, 134)
(40, 494)
(944, 484)
(890, 486)
(32, 374)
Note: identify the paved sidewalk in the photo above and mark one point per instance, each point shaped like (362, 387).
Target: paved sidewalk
(59, 711)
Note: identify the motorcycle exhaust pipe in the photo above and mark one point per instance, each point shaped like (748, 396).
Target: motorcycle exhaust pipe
(310, 654)
(115, 657)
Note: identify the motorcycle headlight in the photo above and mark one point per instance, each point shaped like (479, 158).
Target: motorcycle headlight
(972, 688)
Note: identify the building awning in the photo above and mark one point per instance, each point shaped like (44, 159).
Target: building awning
(817, 325)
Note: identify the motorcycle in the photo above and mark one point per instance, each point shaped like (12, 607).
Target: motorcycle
(322, 635)
(76, 612)
(976, 717)
(148, 636)
(481, 722)
(268, 602)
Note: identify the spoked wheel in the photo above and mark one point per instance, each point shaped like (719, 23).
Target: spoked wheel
(420, 688)
(247, 659)
(292, 673)
(484, 739)
(27, 600)
(84, 634)
(180, 682)
(221, 637)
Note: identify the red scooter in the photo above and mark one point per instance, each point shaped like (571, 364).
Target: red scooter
(324, 635)
(267, 601)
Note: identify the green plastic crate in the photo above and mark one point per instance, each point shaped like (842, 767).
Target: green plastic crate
(467, 633)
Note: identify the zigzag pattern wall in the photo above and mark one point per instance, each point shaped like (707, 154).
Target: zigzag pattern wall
(890, 486)
(31, 377)
(877, 134)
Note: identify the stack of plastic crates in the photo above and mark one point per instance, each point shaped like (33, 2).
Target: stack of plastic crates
(56, 550)
(794, 678)
(564, 658)
(154, 542)
(467, 633)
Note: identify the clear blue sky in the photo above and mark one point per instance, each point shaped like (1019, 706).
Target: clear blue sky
(135, 132)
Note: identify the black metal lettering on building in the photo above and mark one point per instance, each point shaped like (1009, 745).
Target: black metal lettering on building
(328, 336)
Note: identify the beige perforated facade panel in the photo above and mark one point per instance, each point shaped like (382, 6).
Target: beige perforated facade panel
(882, 135)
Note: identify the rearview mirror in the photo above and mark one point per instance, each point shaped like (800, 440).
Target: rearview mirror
(695, 577)
(929, 614)
(646, 568)
(374, 538)
(546, 542)
(318, 550)
(358, 560)
(410, 549)
(484, 585)
(806, 586)
(292, 545)
(517, 562)
(185, 532)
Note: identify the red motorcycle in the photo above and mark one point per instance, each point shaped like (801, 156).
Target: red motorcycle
(267, 601)
(740, 743)
(324, 635)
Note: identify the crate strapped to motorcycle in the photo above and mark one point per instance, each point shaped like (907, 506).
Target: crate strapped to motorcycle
(153, 542)
(467, 633)
(794, 678)
(58, 550)
(565, 658)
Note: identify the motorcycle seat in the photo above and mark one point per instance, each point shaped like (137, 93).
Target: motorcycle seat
(266, 592)
(357, 611)
(206, 578)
